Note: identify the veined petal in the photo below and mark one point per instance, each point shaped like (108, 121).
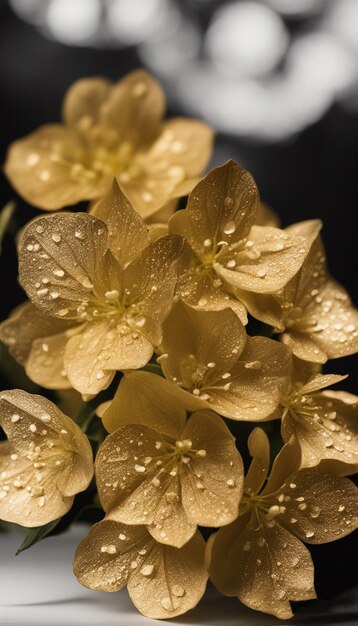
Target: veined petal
(151, 491)
(149, 283)
(223, 206)
(212, 489)
(184, 143)
(272, 260)
(266, 567)
(336, 330)
(201, 346)
(148, 399)
(259, 449)
(83, 101)
(330, 431)
(26, 324)
(134, 109)
(323, 505)
(46, 461)
(162, 581)
(44, 168)
(93, 355)
(45, 364)
(257, 381)
(62, 260)
(127, 232)
(303, 347)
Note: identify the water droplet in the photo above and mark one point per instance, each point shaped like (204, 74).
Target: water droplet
(178, 590)
(147, 570)
(139, 468)
(15, 418)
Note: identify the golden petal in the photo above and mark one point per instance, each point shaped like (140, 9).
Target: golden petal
(259, 449)
(223, 206)
(25, 325)
(45, 364)
(323, 505)
(145, 398)
(46, 461)
(257, 381)
(149, 282)
(151, 491)
(207, 343)
(199, 286)
(337, 321)
(268, 265)
(134, 109)
(128, 234)
(62, 258)
(43, 167)
(303, 347)
(83, 101)
(93, 355)
(162, 581)
(328, 432)
(213, 487)
(265, 567)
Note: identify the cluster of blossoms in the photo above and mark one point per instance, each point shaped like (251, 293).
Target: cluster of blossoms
(158, 300)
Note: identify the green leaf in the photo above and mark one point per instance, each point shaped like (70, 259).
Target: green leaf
(33, 535)
(5, 217)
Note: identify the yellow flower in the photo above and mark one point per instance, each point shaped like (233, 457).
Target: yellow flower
(44, 463)
(109, 290)
(260, 557)
(111, 130)
(324, 427)
(209, 356)
(162, 581)
(313, 312)
(226, 252)
(159, 469)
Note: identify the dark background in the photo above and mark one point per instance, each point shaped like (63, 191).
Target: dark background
(313, 174)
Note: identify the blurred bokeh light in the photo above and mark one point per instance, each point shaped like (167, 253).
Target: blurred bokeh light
(264, 69)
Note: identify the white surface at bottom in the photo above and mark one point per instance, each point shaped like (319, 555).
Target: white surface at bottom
(38, 588)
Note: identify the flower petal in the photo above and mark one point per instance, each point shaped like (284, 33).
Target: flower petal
(84, 100)
(272, 260)
(145, 398)
(128, 234)
(337, 320)
(223, 206)
(331, 432)
(149, 282)
(324, 506)
(151, 492)
(43, 168)
(259, 449)
(26, 324)
(46, 461)
(212, 488)
(193, 339)
(93, 355)
(45, 365)
(134, 109)
(162, 581)
(264, 567)
(61, 259)
(257, 382)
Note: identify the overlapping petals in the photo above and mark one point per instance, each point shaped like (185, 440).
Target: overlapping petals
(166, 472)
(111, 130)
(116, 301)
(44, 463)
(324, 427)
(226, 251)
(209, 355)
(260, 557)
(162, 581)
(313, 312)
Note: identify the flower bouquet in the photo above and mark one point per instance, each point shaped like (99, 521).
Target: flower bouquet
(166, 336)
